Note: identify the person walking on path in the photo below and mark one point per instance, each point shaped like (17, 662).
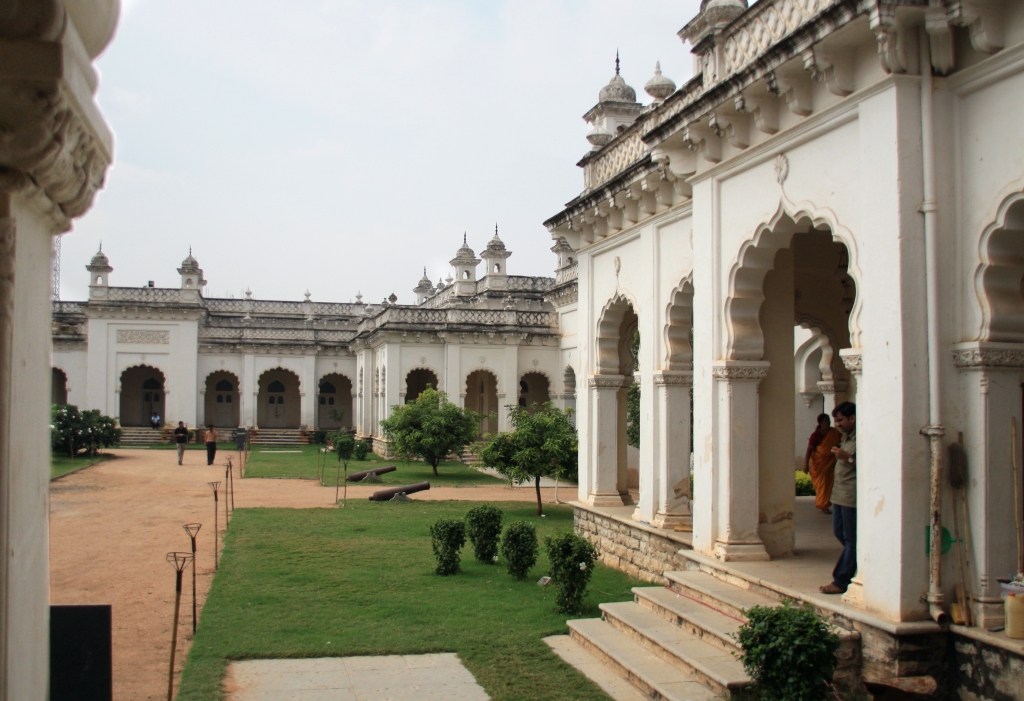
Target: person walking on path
(211, 444)
(820, 463)
(181, 439)
(844, 499)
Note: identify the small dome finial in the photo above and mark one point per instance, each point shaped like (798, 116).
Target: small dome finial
(616, 61)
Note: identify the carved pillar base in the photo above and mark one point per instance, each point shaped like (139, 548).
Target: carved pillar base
(740, 552)
(607, 488)
(672, 423)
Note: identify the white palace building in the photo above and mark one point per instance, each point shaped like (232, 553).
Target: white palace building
(274, 365)
(831, 209)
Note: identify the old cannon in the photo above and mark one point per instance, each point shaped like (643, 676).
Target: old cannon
(356, 476)
(388, 494)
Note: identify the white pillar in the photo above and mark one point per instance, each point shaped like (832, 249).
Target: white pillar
(607, 474)
(307, 390)
(735, 460)
(672, 424)
(247, 393)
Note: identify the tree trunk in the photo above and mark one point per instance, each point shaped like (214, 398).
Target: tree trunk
(433, 464)
(536, 484)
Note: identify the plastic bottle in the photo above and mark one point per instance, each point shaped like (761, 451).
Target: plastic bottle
(1014, 610)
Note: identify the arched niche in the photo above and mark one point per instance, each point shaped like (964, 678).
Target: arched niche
(277, 401)
(222, 403)
(58, 387)
(482, 397)
(142, 395)
(417, 381)
(334, 402)
(534, 390)
(615, 332)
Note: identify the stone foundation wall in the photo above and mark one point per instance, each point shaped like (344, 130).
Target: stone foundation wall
(631, 549)
(982, 672)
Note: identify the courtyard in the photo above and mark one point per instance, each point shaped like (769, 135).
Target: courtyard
(299, 578)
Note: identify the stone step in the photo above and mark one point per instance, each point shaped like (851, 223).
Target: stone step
(701, 620)
(725, 597)
(711, 666)
(629, 659)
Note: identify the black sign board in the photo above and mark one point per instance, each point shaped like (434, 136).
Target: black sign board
(240, 434)
(81, 667)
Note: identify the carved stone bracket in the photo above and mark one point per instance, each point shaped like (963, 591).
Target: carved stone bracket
(968, 356)
(673, 378)
(755, 370)
(609, 381)
(852, 360)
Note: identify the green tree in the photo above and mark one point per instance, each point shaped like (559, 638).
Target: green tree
(541, 444)
(73, 431)
(633, 398)
(430, 427)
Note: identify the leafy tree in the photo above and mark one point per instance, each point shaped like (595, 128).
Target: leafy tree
(572, 563)
(633, 398)
(73, 431)
(541, 444)
(430, 427)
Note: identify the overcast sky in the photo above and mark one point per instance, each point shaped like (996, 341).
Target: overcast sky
(341, 145)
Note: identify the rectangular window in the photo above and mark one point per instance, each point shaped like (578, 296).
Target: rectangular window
(220, 398)
(149, 397)
(227, 398)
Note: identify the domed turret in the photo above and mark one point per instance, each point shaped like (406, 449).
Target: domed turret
(659, 87)
(615, 110)
(495, 256)
(99, 268)
(465, 262)
(617, 90)
(191, 273)
(424, 288)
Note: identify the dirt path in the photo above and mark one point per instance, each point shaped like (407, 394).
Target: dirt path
(112, 525)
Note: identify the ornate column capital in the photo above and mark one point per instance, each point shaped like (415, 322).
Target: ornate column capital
(609, 381)
(852, 360)
(986, 354)
(674, 377)
(832, 386)
(749, 370)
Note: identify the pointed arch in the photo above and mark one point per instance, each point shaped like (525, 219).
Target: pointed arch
(617, 320)
(999, 277)
(756, 257)
(222, 402)
(137, 403)
(679, 327)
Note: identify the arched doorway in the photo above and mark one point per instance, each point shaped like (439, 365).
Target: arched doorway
(278, 400)
(534, 390)
(793, 273)
(482, 397)
(59, 387)
(334, 405)
(222, 400)
(417, 381)
(142, 395)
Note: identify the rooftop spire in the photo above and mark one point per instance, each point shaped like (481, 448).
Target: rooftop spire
(616, 61)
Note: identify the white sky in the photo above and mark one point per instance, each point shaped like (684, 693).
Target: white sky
(341, 145)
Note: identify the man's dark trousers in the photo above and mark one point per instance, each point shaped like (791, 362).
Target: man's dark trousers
(844, 525)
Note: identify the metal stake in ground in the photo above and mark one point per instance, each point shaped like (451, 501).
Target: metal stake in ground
(193, 530)
(231, 471)
(227, 496)
(216, 564)
(179, 561)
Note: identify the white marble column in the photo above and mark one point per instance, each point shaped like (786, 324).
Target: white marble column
(855, 592)
(248, 392)
(608, 485)
(672, 458)
(307, 391)
(735, 460)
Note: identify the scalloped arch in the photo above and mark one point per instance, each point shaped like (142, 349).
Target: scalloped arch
(163, 375)
(259, 380)
(999, 277)
(609, 341)
(678, 326)
(497, 380)
(222, 371)
(757, 256)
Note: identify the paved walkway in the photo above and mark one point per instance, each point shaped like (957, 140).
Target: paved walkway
(437, 677)
(112, 524)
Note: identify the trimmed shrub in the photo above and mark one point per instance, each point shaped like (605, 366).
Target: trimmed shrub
(320, 436)
(572, 564)
(361, 450)
(447, 536)
(789, 652)
(73, 431)
(483, 526)
(519, 548)
(804, 485)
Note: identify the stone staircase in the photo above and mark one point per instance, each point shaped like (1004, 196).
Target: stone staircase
(677, 642)
(142, 435)
(278, 437)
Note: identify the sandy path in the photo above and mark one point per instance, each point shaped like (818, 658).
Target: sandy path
(111, 526)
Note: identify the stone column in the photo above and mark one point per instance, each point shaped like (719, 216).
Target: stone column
(990, 379)
(55, 152)
(672, 457)
(247, 393)
(854, 595)
(608, 486)
(307, 391)
(735, 460)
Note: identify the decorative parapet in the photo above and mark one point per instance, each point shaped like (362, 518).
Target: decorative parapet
(250, 334)
(976, 355)
(491, 317)
(763, 25)
(145, 295)
(569, 273)
(523, 283)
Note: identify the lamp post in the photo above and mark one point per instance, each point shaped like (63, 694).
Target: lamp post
(193, 529)
(216, 556)
(179, 561)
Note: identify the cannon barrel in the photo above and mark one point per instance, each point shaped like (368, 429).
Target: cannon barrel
(356, 476)
(386, 494)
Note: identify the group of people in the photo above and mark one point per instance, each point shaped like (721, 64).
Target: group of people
(181, 440)
(831, 461)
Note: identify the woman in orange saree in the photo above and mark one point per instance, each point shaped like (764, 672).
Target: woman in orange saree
(821, 463)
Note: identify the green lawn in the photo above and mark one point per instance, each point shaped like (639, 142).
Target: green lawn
(360, 581)
(267, 461)
(190, 446)
(62, 464)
